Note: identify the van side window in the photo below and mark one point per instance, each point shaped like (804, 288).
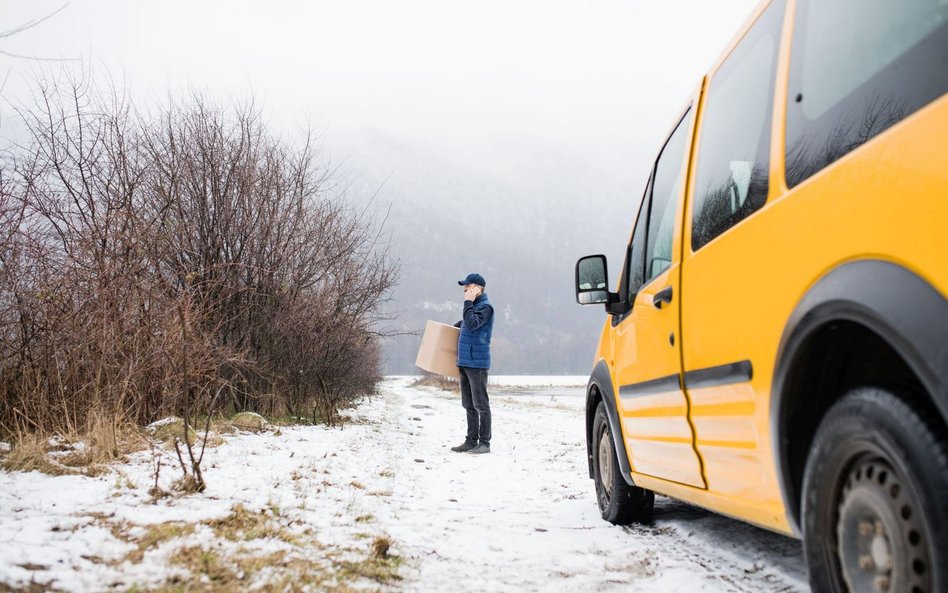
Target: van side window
(732, 178)
(857, 68)
(666, 190)
(636, 271)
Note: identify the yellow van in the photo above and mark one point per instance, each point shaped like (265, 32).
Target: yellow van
(777, 345)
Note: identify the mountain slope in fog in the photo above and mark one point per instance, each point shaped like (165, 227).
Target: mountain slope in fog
(520, 215)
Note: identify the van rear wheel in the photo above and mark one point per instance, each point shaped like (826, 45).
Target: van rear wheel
(873, 516)
(619, 503)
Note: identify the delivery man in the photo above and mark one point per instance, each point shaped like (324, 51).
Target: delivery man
(473, 363)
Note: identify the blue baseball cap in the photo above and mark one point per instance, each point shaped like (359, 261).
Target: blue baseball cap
(473, 279)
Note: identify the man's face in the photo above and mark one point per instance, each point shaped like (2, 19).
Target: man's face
(472, 289)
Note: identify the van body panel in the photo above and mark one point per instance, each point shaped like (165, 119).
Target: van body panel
(735, 507)
(903, 310)
(600, 390)
(652, 404)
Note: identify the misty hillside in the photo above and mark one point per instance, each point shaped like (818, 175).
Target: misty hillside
(518, 214)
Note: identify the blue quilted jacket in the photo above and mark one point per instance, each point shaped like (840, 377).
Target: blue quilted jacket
(476, 329)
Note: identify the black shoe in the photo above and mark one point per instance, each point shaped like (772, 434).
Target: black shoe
(480, 449)
(466, 446)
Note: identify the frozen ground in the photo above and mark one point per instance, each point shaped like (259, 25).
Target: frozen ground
(523, 518)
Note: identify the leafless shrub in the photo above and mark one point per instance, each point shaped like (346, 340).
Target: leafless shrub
(179, 262)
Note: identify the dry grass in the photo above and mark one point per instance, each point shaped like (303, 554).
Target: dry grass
(281, 571)
(154, 536)
(30, 453)
(439, 381)
(109, 438)
(91, 451)
(249, 421)
(106, 440)
(172, 429)
(380, 546)
(88, 452)
(27, 588)
(244, 525)
(205, 563)
(187, 484)
(306, 566)
(221, 426)
(228, 562)
(382, 570)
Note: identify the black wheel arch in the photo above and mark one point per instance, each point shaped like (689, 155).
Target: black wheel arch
(874, 300)
(600, 389)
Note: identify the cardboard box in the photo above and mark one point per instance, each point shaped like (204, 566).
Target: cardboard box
(438, 353)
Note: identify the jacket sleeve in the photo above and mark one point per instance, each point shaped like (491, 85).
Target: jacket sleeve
(475, 318)
(458, 324)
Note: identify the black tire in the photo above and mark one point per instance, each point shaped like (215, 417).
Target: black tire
(619, 503)
(874, 512)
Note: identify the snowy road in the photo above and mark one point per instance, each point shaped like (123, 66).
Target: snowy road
(523, 518)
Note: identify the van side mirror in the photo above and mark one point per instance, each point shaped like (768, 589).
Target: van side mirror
(592, 280)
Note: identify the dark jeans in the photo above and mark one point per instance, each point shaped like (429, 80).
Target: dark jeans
(474, 399)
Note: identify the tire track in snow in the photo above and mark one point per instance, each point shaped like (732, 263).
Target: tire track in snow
(524, 518)
(671, 541)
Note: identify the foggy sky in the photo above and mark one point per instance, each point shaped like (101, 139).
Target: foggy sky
(425, 99)
(409, 67)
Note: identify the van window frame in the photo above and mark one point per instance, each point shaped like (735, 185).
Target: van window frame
(645, 208)
(624, 294)
(776, 12)
(683, 161)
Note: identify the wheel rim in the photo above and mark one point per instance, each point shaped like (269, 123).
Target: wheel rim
(605, 464)
(881, 547)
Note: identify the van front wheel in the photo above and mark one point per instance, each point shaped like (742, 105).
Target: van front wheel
(619, 503)
(873, 512)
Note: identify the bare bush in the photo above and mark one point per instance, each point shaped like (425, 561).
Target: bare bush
(181, 262)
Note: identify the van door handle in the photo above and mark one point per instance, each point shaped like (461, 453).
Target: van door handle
(662, 296)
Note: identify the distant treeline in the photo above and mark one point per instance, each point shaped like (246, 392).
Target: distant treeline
(177, 256)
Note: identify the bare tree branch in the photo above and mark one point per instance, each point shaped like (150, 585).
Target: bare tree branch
(30, 24)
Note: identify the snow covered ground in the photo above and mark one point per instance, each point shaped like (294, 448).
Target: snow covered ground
(315, 500)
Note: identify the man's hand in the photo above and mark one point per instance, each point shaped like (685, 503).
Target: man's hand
(470, 292)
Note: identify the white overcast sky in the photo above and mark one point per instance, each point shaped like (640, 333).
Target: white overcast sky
(514, 104)
(562, 71)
